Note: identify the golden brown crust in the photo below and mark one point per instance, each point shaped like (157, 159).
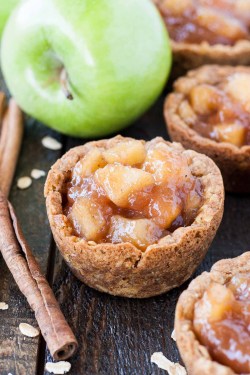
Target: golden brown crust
(188, 56)
(195, 356)
(122, 269)
(234, 162)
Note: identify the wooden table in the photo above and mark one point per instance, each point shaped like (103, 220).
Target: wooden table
(116, 335)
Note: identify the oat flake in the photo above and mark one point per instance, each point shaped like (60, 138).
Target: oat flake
(51, 143)
(165, 364)
(4, 306)
(24, 182)
(61, 367)
(173, 335)
(37, 173)
(28, 330)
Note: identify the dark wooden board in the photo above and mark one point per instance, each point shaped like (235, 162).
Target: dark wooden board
(116, 335)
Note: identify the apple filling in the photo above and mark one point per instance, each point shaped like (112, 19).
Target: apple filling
(220, 110)
(222, 323)
(214, 21)
(131, 192)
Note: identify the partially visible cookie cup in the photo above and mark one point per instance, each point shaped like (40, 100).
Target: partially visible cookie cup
(233, 161)
(122, 269)
(195, 356)
(187, 55)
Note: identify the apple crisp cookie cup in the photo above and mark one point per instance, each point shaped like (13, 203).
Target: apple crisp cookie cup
(196, 356)
(232, 159)
(122, 268)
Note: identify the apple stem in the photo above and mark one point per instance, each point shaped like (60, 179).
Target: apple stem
(64, 84)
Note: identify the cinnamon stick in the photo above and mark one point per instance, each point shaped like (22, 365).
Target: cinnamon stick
(10, 144)
(26, 272)
(16, 252)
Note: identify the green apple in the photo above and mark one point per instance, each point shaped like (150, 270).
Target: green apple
(85, 67)
(6, 7)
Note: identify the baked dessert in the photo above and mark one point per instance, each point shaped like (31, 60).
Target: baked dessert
(207, 31)
(209, 112)
(133, 218)
(213, 318)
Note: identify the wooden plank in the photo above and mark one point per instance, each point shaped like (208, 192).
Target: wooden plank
(116, 335)
(18, 354)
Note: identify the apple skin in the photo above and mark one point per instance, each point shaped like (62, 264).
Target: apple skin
(6, 7)
(116, 54)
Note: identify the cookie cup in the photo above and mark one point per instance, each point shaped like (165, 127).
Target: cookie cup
(195, 355)
(233, 161)
(122, 269)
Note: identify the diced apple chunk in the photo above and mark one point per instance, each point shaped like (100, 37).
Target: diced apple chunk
(238, 87)
(187, 113)
(221, 300)
(92, 161)
(129, 153)
(139, 232)
(120, 181)
(159, 163)
(165, 208)
(233, 133)
(224, 26)
(87, 217)
(204, 99)
(164, 165)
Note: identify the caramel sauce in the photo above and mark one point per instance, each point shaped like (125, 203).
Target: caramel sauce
(147, 204)
(222, 323)
(214, 21)
(166, 205)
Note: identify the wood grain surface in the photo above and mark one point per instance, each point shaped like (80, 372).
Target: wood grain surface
(116, 335)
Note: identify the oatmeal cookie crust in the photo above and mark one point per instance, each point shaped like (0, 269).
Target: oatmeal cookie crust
(190, 56)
